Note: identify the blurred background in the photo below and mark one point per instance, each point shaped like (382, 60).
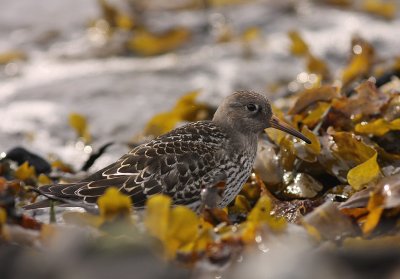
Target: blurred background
(76, 75)
(119, 62)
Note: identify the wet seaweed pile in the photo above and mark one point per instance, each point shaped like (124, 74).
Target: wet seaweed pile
(331, 207)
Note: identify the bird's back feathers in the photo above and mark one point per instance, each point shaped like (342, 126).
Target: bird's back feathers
(179, 164)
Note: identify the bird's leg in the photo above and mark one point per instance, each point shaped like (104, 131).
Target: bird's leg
(211, 200)
(211, 196)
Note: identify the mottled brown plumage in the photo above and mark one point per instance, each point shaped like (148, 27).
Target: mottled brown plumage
(187, 160)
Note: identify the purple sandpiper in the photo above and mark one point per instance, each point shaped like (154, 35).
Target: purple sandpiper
(187, 161)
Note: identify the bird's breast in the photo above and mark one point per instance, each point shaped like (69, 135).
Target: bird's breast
(238, 172)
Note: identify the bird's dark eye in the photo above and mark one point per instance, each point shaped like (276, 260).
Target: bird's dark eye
(252, 107)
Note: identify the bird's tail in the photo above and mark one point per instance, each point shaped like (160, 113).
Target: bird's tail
(92, 208)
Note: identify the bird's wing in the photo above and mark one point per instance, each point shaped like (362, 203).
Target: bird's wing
(177, 164)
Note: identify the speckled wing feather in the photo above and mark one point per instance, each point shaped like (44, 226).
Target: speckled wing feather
(179, 164)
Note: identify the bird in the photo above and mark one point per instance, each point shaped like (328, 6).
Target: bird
(200, 163)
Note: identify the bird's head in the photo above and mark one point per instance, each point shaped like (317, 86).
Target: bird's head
(250, 112)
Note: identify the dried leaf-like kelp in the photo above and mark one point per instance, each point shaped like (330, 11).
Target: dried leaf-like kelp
(342, 151)
(308, 152)
(377, 127)
(368, 100)
(300, 186)
(386, 9)
(388, 187)
(364, 173)
(268, 164)
(147, 43)
(327, 214)
(298, 46)
(79, 123)
(363, 55)
(325, 93)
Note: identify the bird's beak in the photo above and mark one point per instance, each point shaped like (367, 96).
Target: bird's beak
(276, 123)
